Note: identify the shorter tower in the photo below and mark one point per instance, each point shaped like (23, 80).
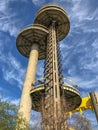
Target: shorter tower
(30, 43)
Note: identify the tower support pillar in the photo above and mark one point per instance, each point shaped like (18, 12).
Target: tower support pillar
(26, 102)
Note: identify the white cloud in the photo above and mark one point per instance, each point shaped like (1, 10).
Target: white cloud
(12, 70)
(38, 2)
(84, 84)
(13, 101)
(6, 24)
(95, 44)
(88, 84)
(9, 22)
(80, 12)
(82, 17)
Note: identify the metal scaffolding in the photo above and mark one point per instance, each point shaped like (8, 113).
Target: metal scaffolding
(52, 113)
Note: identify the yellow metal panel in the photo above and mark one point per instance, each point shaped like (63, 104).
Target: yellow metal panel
(86, 104)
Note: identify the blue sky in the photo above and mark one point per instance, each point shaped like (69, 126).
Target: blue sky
(79, 48)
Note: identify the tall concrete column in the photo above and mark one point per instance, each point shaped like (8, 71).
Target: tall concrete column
(26, 102)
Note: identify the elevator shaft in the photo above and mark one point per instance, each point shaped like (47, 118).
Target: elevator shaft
(52, 115)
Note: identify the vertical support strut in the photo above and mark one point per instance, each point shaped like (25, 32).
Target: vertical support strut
(25, 109)
(56, 88)
(52, 115)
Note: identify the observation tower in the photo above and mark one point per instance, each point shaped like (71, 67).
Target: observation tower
(51, 96)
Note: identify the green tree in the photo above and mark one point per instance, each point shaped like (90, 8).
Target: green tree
(8, 117)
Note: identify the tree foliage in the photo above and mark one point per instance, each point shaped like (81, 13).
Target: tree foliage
(8, 117)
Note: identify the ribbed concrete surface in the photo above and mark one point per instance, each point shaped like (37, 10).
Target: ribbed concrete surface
(50, 13)
(33, 34)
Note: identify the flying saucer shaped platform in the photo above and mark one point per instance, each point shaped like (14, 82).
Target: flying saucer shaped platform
(49, 13)
(71, 95)
(30, 35)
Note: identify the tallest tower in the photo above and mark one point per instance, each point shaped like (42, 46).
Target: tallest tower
(56, 20)
(41, 41)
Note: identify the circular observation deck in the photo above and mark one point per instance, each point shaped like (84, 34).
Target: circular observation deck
(71, 95)
(50, 13)
(30, 35)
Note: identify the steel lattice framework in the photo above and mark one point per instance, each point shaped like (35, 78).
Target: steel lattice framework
(53, 84)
